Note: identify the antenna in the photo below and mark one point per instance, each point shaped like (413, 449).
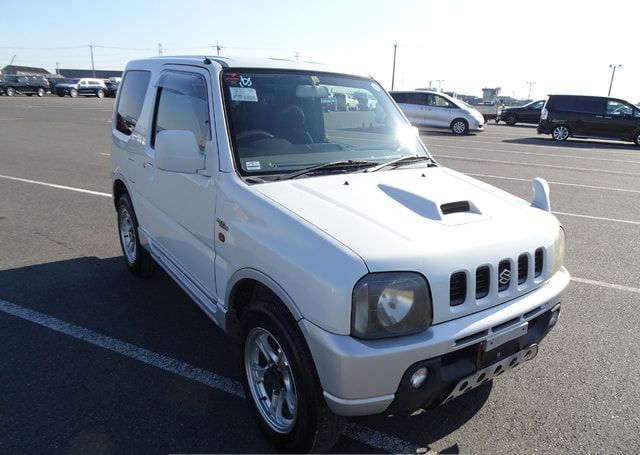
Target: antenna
(14, 57)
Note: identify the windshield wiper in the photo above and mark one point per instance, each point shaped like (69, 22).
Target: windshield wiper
(329, 165)
(402, 160)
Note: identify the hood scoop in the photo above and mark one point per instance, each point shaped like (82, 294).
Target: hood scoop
(455, 207)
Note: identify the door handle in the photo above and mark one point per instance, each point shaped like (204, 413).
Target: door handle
(607, 117)
(599, 116)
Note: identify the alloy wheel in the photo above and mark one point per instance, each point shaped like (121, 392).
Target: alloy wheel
(560, 133)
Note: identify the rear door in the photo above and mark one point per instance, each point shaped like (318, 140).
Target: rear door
(587, 116)
(413, 106)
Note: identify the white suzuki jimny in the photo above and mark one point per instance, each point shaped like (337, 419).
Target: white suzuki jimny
(358, 275)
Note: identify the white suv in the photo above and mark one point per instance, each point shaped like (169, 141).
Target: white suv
(357, 275)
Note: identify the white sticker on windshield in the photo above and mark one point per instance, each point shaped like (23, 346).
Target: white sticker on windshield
(244, 94)
(253, 165)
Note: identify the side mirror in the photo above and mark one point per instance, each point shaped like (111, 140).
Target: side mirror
(178, 151)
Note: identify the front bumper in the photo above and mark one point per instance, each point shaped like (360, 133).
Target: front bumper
(363, 377)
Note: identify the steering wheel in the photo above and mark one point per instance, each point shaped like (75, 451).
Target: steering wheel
(253, 135)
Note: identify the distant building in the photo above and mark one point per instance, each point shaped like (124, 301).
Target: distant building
(489, 95)
(24, 70)
(78, 73)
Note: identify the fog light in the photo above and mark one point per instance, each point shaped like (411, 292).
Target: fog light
(555, 313)
(418, 378)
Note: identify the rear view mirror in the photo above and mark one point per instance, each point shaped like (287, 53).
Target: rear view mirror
(312, 91)
(178, 151)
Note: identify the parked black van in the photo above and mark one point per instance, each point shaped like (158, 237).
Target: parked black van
(590, 116)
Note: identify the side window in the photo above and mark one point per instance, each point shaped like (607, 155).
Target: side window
(181, 104)
(132, 93)
(399, 97)
(438, 101)
(615, 107)
(538, 105)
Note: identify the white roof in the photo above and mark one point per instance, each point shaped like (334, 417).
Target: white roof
(254, 62)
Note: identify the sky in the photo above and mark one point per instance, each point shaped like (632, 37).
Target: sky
(564, 46)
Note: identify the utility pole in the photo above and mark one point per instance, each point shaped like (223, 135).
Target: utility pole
(93, 68)
(217, 48)
(613, 73)
(393, 74)
(58, 68)
(439, 81)
(160, 49)
(530, 84)
(430, 84)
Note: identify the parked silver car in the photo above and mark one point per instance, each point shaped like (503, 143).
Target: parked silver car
(424, 108)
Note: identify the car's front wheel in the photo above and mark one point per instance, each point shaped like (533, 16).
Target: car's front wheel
(100, 93)
(73, 93)
(510, 120)
(280, 380)
(560, 133)
(10, 91)
(139, 261)
(41, 92)
(460, 126)
(636, 140)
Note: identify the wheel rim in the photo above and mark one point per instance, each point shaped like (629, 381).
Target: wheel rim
(128, 236)
(10, 92)
(270, 380)
(40, 92)
(638, 138)
(100, 94)
(560, 133)
(73, 93)
(458, 127)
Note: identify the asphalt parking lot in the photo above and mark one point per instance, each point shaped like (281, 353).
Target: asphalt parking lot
(93, 360)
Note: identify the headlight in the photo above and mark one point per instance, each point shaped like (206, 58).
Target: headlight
(558, 251)
(390, 304)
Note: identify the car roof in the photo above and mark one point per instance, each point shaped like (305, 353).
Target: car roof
(246, 62)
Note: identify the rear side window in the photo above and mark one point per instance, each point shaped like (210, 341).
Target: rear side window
(584, 104)
(400, 97)
(182, 104)
(132, 93)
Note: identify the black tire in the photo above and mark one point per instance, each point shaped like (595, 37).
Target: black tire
(140, 263)
(315, 428)
(10, 91)
(29, 94)
(73, 93)
(41, 92)
(100, 93)
(60, 94)
(459, 126)
(560, 133)
(511, 119)
(636, 140)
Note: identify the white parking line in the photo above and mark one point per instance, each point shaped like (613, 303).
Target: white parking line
(606, 285)
(354, 431)
(53, 185)
(555, 183)
(538, 154)
(550, 166)
(614, 220)
(12, 118)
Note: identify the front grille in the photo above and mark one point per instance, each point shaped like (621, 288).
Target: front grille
(504, 275)
(539, 262)
(523, 268)
(483, 281)
(486, 278)
(458, 288)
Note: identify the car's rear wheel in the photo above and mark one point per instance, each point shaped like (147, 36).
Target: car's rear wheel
(10, 91)
(41, 92)
(100, 93)
(460, 126)
(510, 120)
(60, 94)
(636, 140)
(280, 380)
(139, 261)
(73, 93)
(560, 133)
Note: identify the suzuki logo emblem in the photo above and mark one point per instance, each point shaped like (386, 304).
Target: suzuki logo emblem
(505, 277)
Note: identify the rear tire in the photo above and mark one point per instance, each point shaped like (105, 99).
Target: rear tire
(138, 260)
(10, 91)
(511, 120)
(636, 140)
(560, 133)
(460, 126)
(61, 95)
(41, 92)
(277, 365)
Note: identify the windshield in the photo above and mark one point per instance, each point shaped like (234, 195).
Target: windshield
(284, 121)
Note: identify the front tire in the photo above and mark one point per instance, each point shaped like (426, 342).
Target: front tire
(10, 91)
(636, 140)
(560, 133)
(100, 94)
(460, 126)
(73, 93)
(280, 380)
(138, 260)
(511, 120)
(41, 92)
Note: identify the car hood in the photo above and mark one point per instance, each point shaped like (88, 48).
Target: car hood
(390, 216)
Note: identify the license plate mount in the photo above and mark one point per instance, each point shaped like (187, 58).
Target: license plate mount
(496, 340)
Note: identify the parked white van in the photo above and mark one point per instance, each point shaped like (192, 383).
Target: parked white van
(357, 275)
(434, 109)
